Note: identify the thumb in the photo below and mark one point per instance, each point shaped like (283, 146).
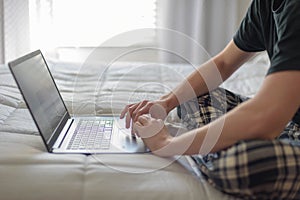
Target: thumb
(150, 129)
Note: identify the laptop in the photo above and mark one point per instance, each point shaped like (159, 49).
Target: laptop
(60, 132)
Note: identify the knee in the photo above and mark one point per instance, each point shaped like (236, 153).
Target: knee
(258, 169)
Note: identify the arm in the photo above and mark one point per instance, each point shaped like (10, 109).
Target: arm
(263, 117)
(211, 73)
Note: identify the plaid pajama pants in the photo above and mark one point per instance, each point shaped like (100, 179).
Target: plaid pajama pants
(253, 169)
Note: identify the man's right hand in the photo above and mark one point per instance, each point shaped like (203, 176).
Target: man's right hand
(157, 109)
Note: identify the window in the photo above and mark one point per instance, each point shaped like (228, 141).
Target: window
(85, 23)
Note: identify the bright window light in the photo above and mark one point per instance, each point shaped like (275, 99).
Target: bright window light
(86, 23)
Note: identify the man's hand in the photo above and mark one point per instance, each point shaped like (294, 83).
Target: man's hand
(154, 134)
(157, 109)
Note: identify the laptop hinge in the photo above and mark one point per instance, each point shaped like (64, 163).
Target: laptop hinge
(63, 134)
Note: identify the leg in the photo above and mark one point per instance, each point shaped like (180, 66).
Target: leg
(256, 169)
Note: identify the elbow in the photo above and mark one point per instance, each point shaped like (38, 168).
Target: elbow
(220, 63)
(225, 67)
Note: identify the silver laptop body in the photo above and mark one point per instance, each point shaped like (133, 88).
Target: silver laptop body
(60, 132)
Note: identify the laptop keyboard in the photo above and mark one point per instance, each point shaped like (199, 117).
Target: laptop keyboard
(92, 134)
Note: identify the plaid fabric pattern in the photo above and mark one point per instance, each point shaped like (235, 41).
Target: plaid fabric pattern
(205, 109)
(253, 169)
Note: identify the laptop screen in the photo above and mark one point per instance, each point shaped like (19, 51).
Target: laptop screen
(40, 93)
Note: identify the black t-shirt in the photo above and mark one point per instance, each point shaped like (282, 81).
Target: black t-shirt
(274, 26)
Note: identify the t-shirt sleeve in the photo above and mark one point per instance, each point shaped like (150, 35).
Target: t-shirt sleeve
(249, 36)
(286, 52)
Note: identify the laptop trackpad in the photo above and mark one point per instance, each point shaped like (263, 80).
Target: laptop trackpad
(129, 143)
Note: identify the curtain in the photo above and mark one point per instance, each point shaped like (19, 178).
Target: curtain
(16, 25)
(190, 30)
(14, 29)
(1, 33)
(197, 29)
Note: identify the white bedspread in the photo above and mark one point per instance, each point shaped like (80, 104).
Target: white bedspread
(27, 171)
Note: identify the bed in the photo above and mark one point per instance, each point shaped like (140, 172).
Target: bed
(28, 171)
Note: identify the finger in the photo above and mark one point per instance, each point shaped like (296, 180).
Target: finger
(129, 114)
(144, 120)
(124, 111)
(142, 111)
(127, 120)
(139, 110)
(135, 128)
(132, 128)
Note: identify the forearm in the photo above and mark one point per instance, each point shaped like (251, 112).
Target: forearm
(241, 123)
(208, 76)
(204, 78)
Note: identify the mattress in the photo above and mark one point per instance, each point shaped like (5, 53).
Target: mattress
(27, 171)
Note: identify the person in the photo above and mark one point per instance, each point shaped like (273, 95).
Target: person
(252, 150)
